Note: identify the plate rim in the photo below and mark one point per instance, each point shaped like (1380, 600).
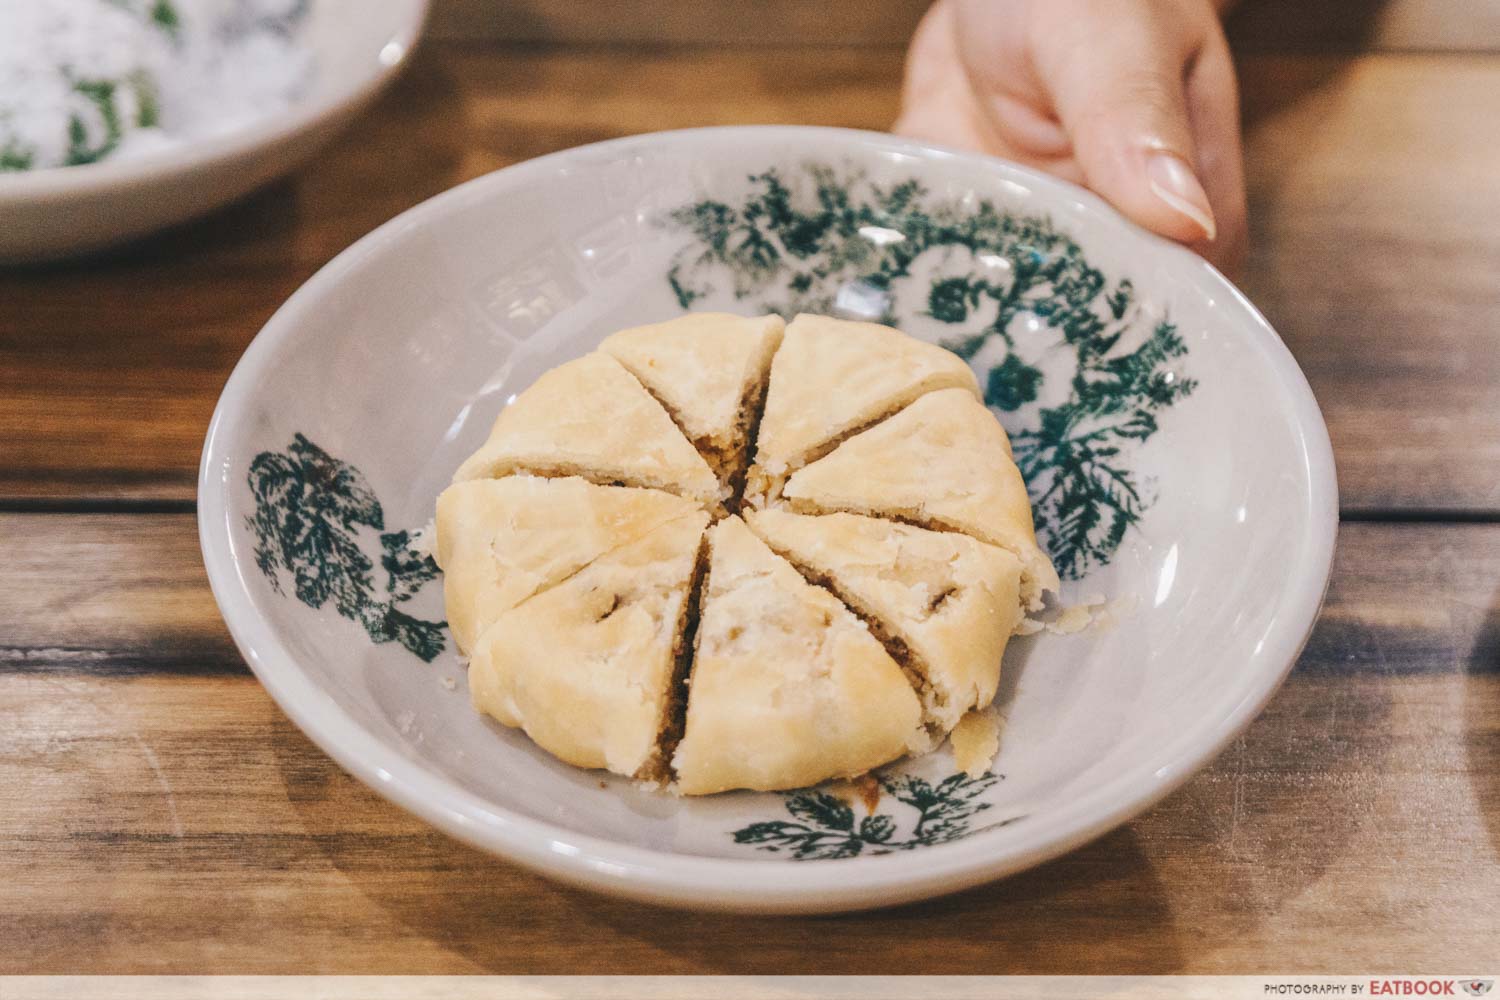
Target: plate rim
(754, 885)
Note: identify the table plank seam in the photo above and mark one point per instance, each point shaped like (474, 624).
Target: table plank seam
(1418, 515)
(191, 660)
(97, 505)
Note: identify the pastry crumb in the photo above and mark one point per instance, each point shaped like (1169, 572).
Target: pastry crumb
(976, 741)
(1114, 611)
(656, 783)
(1093, 612)
(450, 683)
(1074, 619)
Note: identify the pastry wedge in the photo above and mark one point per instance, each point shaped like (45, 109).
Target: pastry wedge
(590, 668)
(832, 378)
(943, 462)
(788, 687)
(591, 418)
(976, 741)
(709, 370)
(948, 602)
(501, 540)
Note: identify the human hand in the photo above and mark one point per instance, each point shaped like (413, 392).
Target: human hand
(1135, 99)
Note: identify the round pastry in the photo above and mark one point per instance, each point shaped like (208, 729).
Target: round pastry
(725, 553)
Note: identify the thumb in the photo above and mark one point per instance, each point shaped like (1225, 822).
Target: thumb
(1123, 103)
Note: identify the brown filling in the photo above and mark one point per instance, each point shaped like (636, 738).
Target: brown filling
(614, 605)
(684, 648)
(729, 461)
(747, 429)
(936, 604)
(910, 517)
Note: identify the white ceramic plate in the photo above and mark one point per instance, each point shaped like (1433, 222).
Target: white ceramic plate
(357, 48)
(1178, 462)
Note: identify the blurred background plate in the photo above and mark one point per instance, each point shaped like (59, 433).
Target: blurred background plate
(357, 47)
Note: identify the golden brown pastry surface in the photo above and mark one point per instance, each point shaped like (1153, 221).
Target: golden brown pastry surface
(586, 668)
(619, 611)
(950, 600)
(501, 540)
(833, 377)
(788, 687)
(943, 461)
(708, 370)
(592, 418)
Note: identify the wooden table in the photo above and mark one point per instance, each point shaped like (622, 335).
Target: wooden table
(158, 813)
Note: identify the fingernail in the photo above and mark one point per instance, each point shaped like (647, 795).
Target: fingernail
(1173, 181)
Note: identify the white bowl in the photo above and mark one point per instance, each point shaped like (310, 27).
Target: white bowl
(65, 211)
(353, 406)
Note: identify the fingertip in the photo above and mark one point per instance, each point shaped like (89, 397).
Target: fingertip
(1138, 155)
(1175, 185)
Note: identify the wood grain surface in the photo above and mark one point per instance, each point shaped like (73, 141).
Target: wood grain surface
(159, 814)
(1256, 25)
(1373, 194)
(1373, 202)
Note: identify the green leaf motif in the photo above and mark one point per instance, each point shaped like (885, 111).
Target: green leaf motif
(825, 827)
(309, 509)
(794, 245)
(951, 299)
(877, 829)
(1012, 384)
(822, 809)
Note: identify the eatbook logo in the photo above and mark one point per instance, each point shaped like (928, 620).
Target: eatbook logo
(1477, 987)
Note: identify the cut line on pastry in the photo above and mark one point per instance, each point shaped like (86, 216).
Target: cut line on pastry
(767, 486)
(684, 651)
(752, 412)
(707, 450)
(612, 550)
(799, 505)
(913, 667)
(562, 471)
(730, 464)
